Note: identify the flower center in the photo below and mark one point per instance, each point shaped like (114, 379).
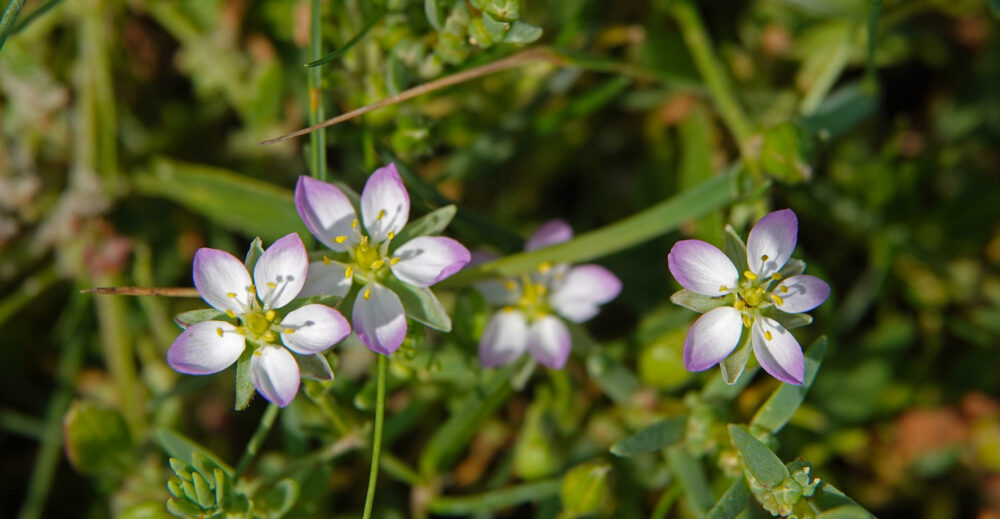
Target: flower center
(261, 326)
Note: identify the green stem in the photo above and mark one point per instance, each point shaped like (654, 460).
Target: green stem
(495, 499)
(383, 363)
(25, 293)
(317, 139)
(253, 446)
(9, 17)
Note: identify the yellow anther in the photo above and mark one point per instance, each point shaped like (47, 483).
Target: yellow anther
(289, 330)
(723, 289)
(219, 331)
(763, 258)
(381, 214)
(508, 309)
(257, 352)
(231, 314)
(545, 267)
(348, 272)
(272, 286)
(784, 289)
(777, 299)
(391, 235)
(394, 261)
(326, 260)
(241, 330)
(746, 321)
(739, 304)
(271, 314)
(749, 275)
(354, 224)
(776, 276)
(368, 293)
(252, 289)
(364, 241)
(231, 295)
(377, 264)
(767, 335)
(340, 239)
(269, 336)
(510, 285)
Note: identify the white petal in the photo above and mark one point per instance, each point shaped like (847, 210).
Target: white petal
(325, 210)
(206, 347)
(505, 339)
(584, 288)
(500, 293)
(549, 341)
(780, 354)
(222, 280)
(281, 271)
(801, 293)
(326, 280)
(314, 328)
(772, 238)
(550, 233)
(712, 338)
(702, 268)
(275, 374)
(379, 320)
(385, 204)
(425, 260)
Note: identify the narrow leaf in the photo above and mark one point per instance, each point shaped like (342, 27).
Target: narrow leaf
(431, 223)
(9, 17)
(244, 384)
(203, 494)
(691, 476)
(186, 319)
(780, 407)
(617, 381)
(657, 436)
(347, 46)
(840, 111)
(700, 303)
(732, 502)
(787, 320)
(760, 461)
(734, 248)
(495, 499)
(432, 9)
(845, 512)
(733, 365)
(420, 304)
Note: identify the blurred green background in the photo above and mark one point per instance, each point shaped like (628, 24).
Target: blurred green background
(130, 135)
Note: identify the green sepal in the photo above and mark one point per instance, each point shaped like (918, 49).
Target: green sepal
(700, 303)
(734, 248)
(295, 304)
(314, 367)
(183, 470)
(431, 223)
(182, 508)
(785, 319)
(420, 304)
(279, 499)
(793, 267)
(758, 458)
(734, 365)
(192, 317)
(659, 435)
(202, 491)
(253, 254)
(522, 33)
(244, 384)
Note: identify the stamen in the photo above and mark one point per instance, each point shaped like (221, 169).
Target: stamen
(270, 315)
(391, 235)
(252, 289)
(749, 275)
(767, 335)
(231, 314)
(381, 214)
(289, 330)
(545, 267)
(241, 330)
(231, 295)
(219, 331)
(776, 276)
(354, 224)
(257, 352)
(368, 293)
(394, 261)
(739, 304)
(777, 299)
(723, 288)
(746, 321)
(326, 260)
(763, 258)
(377, 264)
(272, 286)
(784, 289)
(340, 239)
(348, 272)
(269, 336)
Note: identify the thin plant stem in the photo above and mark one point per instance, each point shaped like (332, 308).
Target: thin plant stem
(317, 112)
(383, 363)
(26, 293)
(9, 17)
(143, 291)
(40, 10)
(253, 446)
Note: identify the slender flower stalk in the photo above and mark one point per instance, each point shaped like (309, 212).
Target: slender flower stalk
(534, 306)
(771, 289)
(278, 277)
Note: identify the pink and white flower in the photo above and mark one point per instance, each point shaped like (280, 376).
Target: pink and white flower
(362, 253)
(770, 282)
(535, 305)
(223, 281)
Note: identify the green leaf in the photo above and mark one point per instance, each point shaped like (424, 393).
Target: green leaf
(617, 381)
(793, 267)
(223, 488)
(347, 46)
(651, 223)
(314, 367)
(434, 13)
(787, 320)
(98, 442)
(186, 319)
(522, 33)
(845, 512)
(691, 476)
(253, 254)
(585, 488)
(760, 461)
(431, 223)
(994, 7)
(783, 154)
(203, 493)
(495, 499)
(732, 502)
(231, 200)
(700, 303)
(184, 508)
(841, 111)
(183, 470)
(420, 304)
(10, 15)
(781, 405)
(279, 499)
(181, 447)
(496, 29)
(657, 436)
(506, 10)
(733, 365)
(735, 248)
(244, 384)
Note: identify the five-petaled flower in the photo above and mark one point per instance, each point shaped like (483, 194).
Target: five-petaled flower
(529, 319)
(224, 282)
(767, 285)
(364, 248)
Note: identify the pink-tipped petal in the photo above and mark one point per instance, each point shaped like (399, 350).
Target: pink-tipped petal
(780, 355)
(550, 233)
(275, 374)
(281, 271)
(385, 204)
(505, 339)
(801, 293)
(326, 211)
(425, 260)
(712, 338)
(379, 319)
(771, 242)
(702, 268)
(313, 328)
(326, 280)
(222, 280)
(549, 341)
(584, 288)
(206, 347)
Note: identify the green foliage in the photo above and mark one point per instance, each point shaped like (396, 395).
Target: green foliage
(657, 436)
(98, 441)
(586, 489)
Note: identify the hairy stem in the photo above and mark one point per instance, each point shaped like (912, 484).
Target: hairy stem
(383, 363)
(253, 446)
